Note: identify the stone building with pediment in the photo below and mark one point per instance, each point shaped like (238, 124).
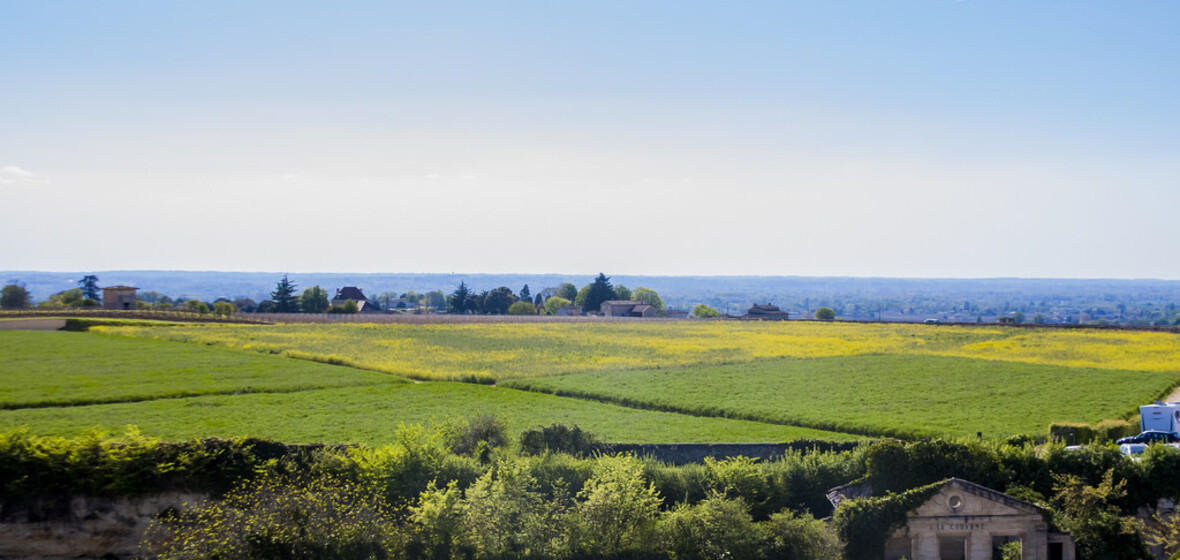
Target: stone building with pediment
(966, 521)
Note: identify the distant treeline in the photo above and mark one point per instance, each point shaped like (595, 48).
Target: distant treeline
(1138, 302)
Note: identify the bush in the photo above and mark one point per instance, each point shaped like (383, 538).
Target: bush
(522, 308)
(1071, 433)
(224, 309)
(617, 510)
(789, 535)
(557, 438)
(1110, 430)
(475, 435)
(715, 528)
(825, 314)
(276, 517)
(702, 311)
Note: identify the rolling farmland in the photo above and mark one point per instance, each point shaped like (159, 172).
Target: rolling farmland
(626, 381)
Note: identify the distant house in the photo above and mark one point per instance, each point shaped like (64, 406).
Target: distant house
(766, 312)
(118, 297)
(618, 308)
(676, 314)
(354, 293)
(569, 311)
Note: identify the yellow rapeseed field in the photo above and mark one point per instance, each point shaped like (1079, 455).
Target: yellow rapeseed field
(503, 351)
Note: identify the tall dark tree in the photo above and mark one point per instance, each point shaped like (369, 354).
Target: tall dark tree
(284, 297)
(600, 291)
(539, 301)
(497, 301)
(14, 296)
(460, 301)
(90, 289)
(525, 295)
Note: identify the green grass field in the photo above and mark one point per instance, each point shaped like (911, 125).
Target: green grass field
(877, 379)
(57, 368)
(50, 380)
(373, 413)
(880, 395)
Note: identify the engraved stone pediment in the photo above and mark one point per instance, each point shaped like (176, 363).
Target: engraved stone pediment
(959, 498)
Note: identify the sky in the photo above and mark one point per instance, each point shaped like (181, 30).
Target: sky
(907, 139)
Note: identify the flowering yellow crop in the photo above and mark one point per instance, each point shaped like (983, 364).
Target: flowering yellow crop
(504, 351)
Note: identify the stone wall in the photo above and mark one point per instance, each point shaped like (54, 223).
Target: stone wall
(60, 528)
(684, 453)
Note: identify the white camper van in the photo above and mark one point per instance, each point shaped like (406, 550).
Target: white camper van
(1160, 416)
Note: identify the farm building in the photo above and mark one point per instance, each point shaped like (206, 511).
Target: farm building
(966, 521)
(569, 311)
(355, 294)
(618, 308)
(118, 297)
(676, 314)
(766, 312)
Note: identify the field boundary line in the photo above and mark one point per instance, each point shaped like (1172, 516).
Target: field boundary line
(519, 385)
(188, 395)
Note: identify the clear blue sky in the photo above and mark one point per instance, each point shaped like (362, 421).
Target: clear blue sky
(923, 138)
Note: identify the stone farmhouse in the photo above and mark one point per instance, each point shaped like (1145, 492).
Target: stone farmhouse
(118, 297)
(766, 312)
(620, 308)
(966, 521)
(355, 294)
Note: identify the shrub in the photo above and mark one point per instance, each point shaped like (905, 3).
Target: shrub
(1110, 430)
(702, 311)
(1071, 433)
(557, 438)
(825, 314)
(475, 435)
(276, 517)
(505, 515)
(715, 528)
(522, 308)
(224, 309)
(617, 509)
(790, 535)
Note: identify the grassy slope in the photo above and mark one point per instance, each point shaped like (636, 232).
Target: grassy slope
(372, 414)
(494, 351)
(900, 395)
(53, 368)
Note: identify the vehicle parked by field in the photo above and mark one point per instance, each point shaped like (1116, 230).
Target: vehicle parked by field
(1152, 436)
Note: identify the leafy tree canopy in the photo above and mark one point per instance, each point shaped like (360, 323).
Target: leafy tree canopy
(314, 300)
(702, 311)
(650, 297)
(554, 303)
(622, 292)
(825, 314)
(14, 296)
(522, 308)
(497, 301)
(567, 291)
